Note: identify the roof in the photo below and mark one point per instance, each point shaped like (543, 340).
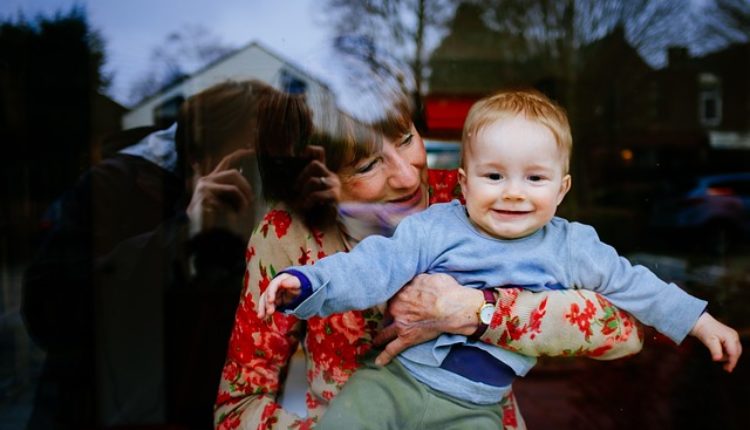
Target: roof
(253, 44)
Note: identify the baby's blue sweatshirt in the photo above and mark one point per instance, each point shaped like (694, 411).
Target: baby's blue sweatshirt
(441, 239)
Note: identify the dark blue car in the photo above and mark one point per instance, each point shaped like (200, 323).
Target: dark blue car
(715, 210)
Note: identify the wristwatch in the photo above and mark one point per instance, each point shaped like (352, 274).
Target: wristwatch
(485, 313)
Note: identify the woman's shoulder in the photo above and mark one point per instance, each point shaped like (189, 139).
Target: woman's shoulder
(279, 222)
(284, 229)
(444, 185)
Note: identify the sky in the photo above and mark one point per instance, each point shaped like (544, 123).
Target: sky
(131, 29)
(295, 29)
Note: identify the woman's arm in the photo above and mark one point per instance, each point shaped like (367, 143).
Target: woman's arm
(563, 323)
(259, 350)
(554, 323)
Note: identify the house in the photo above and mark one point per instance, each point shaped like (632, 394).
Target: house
(711, 93)
(254, 61)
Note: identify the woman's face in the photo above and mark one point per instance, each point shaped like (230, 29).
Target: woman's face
(397, 175)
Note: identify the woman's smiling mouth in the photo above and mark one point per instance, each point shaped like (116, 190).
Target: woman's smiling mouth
(411, 199)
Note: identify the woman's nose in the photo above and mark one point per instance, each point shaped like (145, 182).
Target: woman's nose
(403, 174)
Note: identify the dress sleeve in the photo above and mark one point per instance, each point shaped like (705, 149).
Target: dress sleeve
(260, 350)
(562, 323)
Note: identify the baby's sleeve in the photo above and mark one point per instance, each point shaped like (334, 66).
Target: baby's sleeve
(597, 266)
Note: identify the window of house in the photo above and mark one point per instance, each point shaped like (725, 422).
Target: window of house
(166, 113)
(709, 100)
(292, 83)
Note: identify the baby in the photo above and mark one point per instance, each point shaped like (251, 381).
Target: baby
(514, 174)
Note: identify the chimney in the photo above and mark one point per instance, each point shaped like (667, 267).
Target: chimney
(677, 56)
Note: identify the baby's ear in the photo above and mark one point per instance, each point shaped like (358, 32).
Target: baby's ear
(462, 177)
(565, 185)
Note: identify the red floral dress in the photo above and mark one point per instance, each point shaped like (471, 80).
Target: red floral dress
(573, 323)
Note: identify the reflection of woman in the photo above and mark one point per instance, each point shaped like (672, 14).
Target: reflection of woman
(391, 177)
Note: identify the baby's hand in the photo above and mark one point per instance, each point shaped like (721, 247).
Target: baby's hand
(722, 341)
(282, 290)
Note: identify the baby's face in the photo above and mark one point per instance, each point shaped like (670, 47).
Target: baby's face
(513, 177)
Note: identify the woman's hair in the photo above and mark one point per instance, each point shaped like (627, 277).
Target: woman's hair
(283, 128)
(208, 120)
(284, 123)
(397, 121)
(348, 140)
(532, 104)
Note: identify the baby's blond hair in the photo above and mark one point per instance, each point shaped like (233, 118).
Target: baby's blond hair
(532, 104)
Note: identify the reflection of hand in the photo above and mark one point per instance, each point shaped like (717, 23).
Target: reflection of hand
(425, 308)
(316, 184)
(282, 290)
(223, 198)
(722, 341)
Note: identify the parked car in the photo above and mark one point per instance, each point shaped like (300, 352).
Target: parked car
(714, 210)
(442, 154)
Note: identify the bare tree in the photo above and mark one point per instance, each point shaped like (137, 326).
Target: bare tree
(557, 28)
(728, 20)
(181, 53)
(387, 39)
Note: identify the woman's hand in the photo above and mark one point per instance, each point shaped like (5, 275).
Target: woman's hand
(316, 184)
(223, 198)
(425, 308)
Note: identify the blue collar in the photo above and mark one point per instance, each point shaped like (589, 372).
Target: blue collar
(158, 147)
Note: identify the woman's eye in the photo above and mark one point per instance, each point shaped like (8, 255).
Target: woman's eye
(366, 167)
(407, 139)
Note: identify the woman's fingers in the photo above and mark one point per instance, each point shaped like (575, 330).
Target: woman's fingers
(385, 335)
(226, 188)
(390, 351)
(315, 152)
(228, 172)
(317, 185)
(231, 177)
(311, 174)
(233, 160)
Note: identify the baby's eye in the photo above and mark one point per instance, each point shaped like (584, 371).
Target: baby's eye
(536, 178)
(494, 176)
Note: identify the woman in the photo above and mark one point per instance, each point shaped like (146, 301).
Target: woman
(382, 180)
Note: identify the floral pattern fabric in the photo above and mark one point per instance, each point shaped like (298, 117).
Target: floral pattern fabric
(259, 351)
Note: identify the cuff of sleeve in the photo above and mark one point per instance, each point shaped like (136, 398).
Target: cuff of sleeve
(507, 305)
(305, 290)
(507, 300)
(691, 312)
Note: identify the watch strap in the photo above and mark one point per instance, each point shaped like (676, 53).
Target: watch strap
(489, 298)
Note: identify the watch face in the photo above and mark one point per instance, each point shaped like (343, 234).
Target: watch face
(485, 314)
